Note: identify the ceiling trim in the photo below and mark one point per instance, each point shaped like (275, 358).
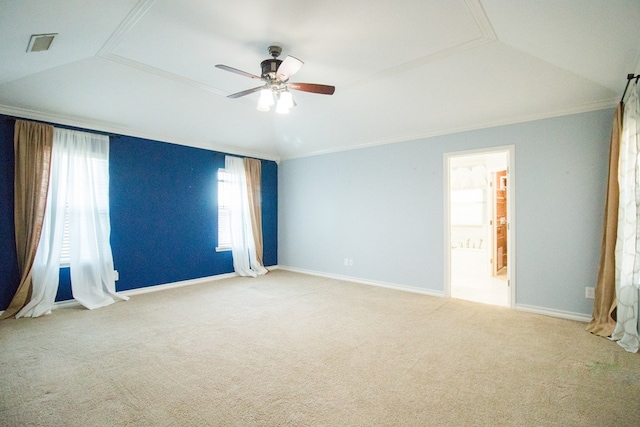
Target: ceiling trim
(143, 6)
(582, 108)
(130, 21)
(160, 73)
(488, 36)
(433, 57)
(99, 126)
(481, 18)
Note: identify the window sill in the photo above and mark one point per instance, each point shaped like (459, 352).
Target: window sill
(223, 249)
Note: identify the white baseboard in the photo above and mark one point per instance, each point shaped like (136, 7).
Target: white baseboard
(156, 288)
(569, 315)
(190, 282)
(521, 307)
(153, 288)
(364, 281)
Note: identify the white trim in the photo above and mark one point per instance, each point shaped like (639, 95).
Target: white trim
(143, 6)
(569, 315)
(99, 126)
(511, 225)
(578, 109)
(488, 35)
(127, 24)
(511, 215)
(446, 200)
(161, 73)
(394, 286)
(190, 282)
(474, 7)
(153, 288)
(481, 18)
(518, 307)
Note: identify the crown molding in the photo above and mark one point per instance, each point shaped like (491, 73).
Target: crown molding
(100, 126)
(582, 108)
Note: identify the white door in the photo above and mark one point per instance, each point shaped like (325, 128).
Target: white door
(476, 266)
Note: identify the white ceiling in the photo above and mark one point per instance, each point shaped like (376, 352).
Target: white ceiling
(402, 70)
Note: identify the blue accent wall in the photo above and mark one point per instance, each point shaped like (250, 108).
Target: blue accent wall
(270, 213)
(163, 204)
(9, 274)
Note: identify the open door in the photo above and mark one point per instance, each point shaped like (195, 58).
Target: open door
(479, 211)
(499, 221)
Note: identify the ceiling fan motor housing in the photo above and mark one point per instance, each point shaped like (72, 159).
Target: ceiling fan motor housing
(269, 68)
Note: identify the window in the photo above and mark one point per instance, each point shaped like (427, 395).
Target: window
(238, 213)
(65, 252)
(224, 204)
(468, 207)
(99, 167)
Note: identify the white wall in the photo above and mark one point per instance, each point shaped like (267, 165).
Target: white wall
(383, 207)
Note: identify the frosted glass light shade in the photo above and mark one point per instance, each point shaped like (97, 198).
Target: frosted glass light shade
(266, 100)
(286, 99)
(281, 108)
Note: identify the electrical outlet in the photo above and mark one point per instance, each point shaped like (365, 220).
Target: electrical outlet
(350, 262)
(346, 262)
(589, 292)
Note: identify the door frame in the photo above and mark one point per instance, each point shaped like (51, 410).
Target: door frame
(511, 215)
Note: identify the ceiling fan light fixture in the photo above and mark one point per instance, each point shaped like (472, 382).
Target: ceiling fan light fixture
(275, 76)
(285, 102)
(286, 99)
(266, 100)
(281, 108)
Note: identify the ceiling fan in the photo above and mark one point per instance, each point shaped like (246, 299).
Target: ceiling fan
(275, 75)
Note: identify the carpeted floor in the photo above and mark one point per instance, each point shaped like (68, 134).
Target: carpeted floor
(289, 349)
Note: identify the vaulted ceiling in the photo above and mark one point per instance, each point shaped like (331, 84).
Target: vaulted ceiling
(402, 69)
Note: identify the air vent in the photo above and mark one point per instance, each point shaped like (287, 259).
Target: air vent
(40, 42)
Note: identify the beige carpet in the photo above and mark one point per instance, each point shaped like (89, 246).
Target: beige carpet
(289, 349)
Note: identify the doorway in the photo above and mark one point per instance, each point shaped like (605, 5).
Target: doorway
(478, 238)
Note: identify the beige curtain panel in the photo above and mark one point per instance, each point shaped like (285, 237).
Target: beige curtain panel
(604, 304)
(32, 145)
(253, 171)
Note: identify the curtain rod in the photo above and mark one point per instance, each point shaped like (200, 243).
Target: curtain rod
(629, 78)
(110, 135)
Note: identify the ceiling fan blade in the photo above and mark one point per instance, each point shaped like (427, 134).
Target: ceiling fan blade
(246, 92)
(313, 88)
(288, 68)
(235, 70)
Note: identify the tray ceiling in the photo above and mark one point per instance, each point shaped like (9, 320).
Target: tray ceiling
(402, 70)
